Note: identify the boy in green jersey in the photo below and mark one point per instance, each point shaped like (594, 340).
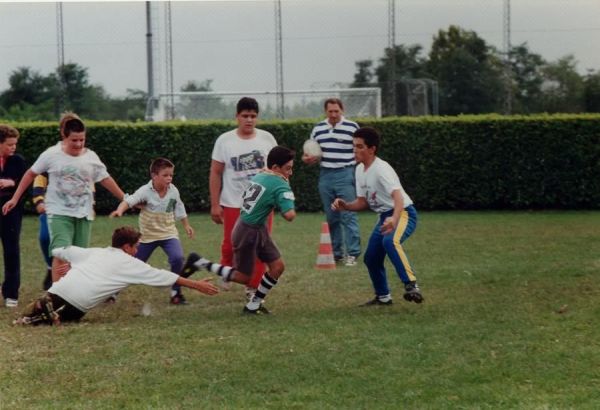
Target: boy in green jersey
(268, 190)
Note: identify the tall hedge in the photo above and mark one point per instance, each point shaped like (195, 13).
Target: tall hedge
(467, 162)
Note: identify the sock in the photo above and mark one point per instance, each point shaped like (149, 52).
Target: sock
(220, 270)
(385, 298)
(266, 284)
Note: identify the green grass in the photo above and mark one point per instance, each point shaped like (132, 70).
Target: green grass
(510, 320)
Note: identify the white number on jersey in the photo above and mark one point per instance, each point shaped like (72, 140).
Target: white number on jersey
(251, 196)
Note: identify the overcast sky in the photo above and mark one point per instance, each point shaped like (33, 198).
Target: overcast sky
(232, 42)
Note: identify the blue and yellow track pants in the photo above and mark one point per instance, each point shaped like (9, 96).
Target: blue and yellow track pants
(391, 245)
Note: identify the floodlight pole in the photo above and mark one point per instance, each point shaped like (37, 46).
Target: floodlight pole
(507, 64)
(169, 58)
(149, 58)
(60, 45)
(392, 48)
(279, 62)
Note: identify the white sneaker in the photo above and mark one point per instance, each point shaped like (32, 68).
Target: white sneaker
(351, 260)
(11, 303)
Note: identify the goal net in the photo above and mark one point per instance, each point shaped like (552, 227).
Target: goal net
(358, 102)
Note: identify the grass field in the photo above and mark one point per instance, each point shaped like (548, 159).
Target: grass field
(510, 320)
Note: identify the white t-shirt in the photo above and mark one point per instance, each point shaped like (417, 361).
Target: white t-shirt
(97, 273)
(71, 180)
(377, 184)
(158, 216)
(243, 158)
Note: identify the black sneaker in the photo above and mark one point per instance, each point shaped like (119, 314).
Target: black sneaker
(378, 302)
(178, 299)
(189, 268)
(260, 311)
(413, 293)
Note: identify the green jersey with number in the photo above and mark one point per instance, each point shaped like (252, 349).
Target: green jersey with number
(267, 191)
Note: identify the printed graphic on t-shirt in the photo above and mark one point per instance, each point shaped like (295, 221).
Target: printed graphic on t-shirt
(372, 200)
(247, 165)
(171, 205)
(73, 187)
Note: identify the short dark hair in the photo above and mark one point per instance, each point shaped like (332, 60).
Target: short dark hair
(280, 156)
(70, 122)
(159, 164)
(370, 136)
(333, 101)
(125, 235)
(247, 103)
(6, 131)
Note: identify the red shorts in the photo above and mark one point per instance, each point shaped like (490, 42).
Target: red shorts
(230, 216)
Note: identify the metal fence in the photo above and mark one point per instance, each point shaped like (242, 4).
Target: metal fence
(234, 43)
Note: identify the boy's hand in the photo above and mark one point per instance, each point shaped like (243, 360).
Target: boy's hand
(388, 226)
(309, 159)
(40, 208)
(6, 183)
(216, 214)
(8, 206)
(189, 231)
(62, 269)
(338, 204)
(204, 286)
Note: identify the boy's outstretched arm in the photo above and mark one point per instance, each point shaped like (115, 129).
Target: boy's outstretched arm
(359, 204)
(27, 179)
(188, 228)
(111, 185)
(202, 285)
(123, 206)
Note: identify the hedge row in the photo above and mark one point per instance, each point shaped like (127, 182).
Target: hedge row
(468, 162)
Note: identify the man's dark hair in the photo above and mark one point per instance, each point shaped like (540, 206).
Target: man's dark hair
(6, 131)
(247, 103)
(333, 101)
(125, 235)
(370, 136)
(159, 164)
(73, 125)
(279, 156)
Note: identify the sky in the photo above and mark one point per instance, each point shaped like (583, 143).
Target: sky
(232, 43)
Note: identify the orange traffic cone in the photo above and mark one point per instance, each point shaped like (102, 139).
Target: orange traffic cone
(325, 257)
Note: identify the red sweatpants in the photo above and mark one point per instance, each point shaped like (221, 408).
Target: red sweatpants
(230, 216)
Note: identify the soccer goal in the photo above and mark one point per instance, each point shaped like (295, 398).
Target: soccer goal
(358, 102)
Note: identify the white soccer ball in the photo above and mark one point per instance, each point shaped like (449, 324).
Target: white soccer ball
(312, 148)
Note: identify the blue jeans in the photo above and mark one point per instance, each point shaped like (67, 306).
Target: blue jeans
(390, 245)
(343, 226)
(173, 250)
(44, 239)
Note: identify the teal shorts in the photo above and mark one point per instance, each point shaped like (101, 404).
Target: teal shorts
(67, 230)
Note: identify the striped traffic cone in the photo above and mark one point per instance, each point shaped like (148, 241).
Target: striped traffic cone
(325, 257)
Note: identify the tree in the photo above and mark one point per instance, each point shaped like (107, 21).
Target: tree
(29, 96)
(364, 74)
(197, 106)
(528, 77)
(398, 63)
(563, 87)
(468, 72)
(592, 91)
